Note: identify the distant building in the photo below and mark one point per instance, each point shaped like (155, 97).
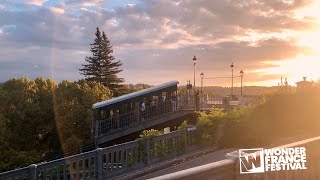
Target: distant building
(304, 86)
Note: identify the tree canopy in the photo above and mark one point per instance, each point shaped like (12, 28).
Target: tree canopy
(40, 118)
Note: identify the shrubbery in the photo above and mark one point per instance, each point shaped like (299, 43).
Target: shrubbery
(150, 133)
(279, 116)
(208, 124)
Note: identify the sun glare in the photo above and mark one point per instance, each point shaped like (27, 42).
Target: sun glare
(307, 63)
(294, 70)
(311, 38)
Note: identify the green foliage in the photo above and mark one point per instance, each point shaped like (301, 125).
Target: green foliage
(183, 126)
(150, 133)
(182, 90)
(11, 157)
(73, 111)
(129, 88)
(26, 120)
(101, 66)
(39, 117)
(281, 115)
(208, 124)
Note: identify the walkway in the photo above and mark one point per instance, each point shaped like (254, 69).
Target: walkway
(206, 159)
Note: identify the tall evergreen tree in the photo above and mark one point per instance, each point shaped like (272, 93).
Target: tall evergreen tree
(109, 66)
(102, 66)
(92, 70)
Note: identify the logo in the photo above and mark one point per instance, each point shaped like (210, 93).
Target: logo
(251, 161)
(259, 160)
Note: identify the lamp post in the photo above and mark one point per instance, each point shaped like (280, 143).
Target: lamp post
(194, 71)
(189, 86)
(241, 75)
(232, 66)
(201, 75)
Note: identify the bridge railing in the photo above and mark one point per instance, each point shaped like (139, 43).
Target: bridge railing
(19, 174)
(201, 101)
(80, 166)
(166, 146)
(122, 158)
(230, 168)
(104, 163)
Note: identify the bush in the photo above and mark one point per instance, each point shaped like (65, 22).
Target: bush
(280, 116)
(208, 124)
(150, 133)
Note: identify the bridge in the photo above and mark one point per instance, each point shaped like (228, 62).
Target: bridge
(149, 108)
(110, 162)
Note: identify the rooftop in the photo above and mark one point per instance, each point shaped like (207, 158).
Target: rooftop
(134, 94)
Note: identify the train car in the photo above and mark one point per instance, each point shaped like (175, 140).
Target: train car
(123, 115)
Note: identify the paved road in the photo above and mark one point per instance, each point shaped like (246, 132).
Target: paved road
(202, 160)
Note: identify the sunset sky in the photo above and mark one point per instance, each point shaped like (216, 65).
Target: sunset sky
(157, 39)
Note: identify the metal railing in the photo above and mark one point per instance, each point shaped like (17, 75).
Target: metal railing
(19, 174)
(104, 163)
(230, 168)
(135, 117)
(182, 102)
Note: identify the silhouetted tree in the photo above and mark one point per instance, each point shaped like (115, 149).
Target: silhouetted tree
(102, 66)
(92, 70)
(110, 67)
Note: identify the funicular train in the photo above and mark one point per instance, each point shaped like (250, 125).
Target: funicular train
(123, 115)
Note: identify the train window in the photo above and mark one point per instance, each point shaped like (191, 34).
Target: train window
(103, 114)
(164, 95)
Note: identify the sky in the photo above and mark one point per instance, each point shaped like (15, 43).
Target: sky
(157, 40)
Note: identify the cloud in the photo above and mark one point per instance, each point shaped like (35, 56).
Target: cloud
(40, 61)
(57, 10)
(91, 2)
(153, 38)
(36, 2)
(86, 3)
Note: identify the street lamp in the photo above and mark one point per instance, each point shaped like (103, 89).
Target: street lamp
(194, 71)
(201, 75)
(241, 75)
(232, 66)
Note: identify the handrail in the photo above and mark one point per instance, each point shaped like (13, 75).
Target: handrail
(20, 170)
(189, 173)
(216, 167)
(299, 143)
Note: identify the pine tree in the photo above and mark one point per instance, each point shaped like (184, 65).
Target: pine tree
(102, 66)
(92, 70)
(109, 66)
